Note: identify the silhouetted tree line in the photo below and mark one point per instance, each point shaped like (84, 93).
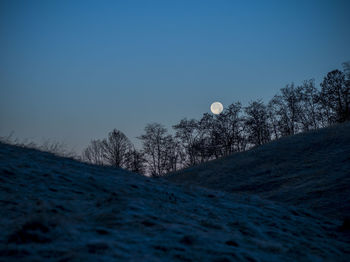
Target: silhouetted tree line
(293, 110)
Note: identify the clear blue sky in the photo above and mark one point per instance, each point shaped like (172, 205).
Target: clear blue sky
(72, 71)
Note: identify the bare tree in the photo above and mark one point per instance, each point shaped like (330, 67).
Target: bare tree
(310, 115)
(205, 146)
(273, 119)
(256, 122)
(94, 153)
(135, 161)
(187, 132)
(155, 145)
(335, 96)
(228, 130)
(172, 154)
(115, 148)
(285, 109)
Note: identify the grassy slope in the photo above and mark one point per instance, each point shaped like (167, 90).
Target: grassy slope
(57, 209)
(310, 170)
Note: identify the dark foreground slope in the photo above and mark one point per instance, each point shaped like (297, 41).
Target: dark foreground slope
(310, 170)
(56, 209)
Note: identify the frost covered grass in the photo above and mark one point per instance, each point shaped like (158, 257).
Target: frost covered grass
(58, 209)
(309, 170)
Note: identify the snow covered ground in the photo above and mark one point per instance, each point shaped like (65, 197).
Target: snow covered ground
(58, 209)
(310, 170)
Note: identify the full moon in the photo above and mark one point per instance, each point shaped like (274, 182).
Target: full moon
(216, 108)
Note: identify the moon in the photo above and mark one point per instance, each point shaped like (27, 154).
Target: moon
(216, 108)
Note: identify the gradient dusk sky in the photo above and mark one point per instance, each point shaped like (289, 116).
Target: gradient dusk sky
(71, 71)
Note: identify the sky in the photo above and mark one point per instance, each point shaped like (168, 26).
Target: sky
(71, 71)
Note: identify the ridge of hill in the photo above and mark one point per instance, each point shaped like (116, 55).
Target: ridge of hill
(310, 170)
(58, 209)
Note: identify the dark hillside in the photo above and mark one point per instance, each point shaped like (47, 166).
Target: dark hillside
(309, 170)
(57, 209)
